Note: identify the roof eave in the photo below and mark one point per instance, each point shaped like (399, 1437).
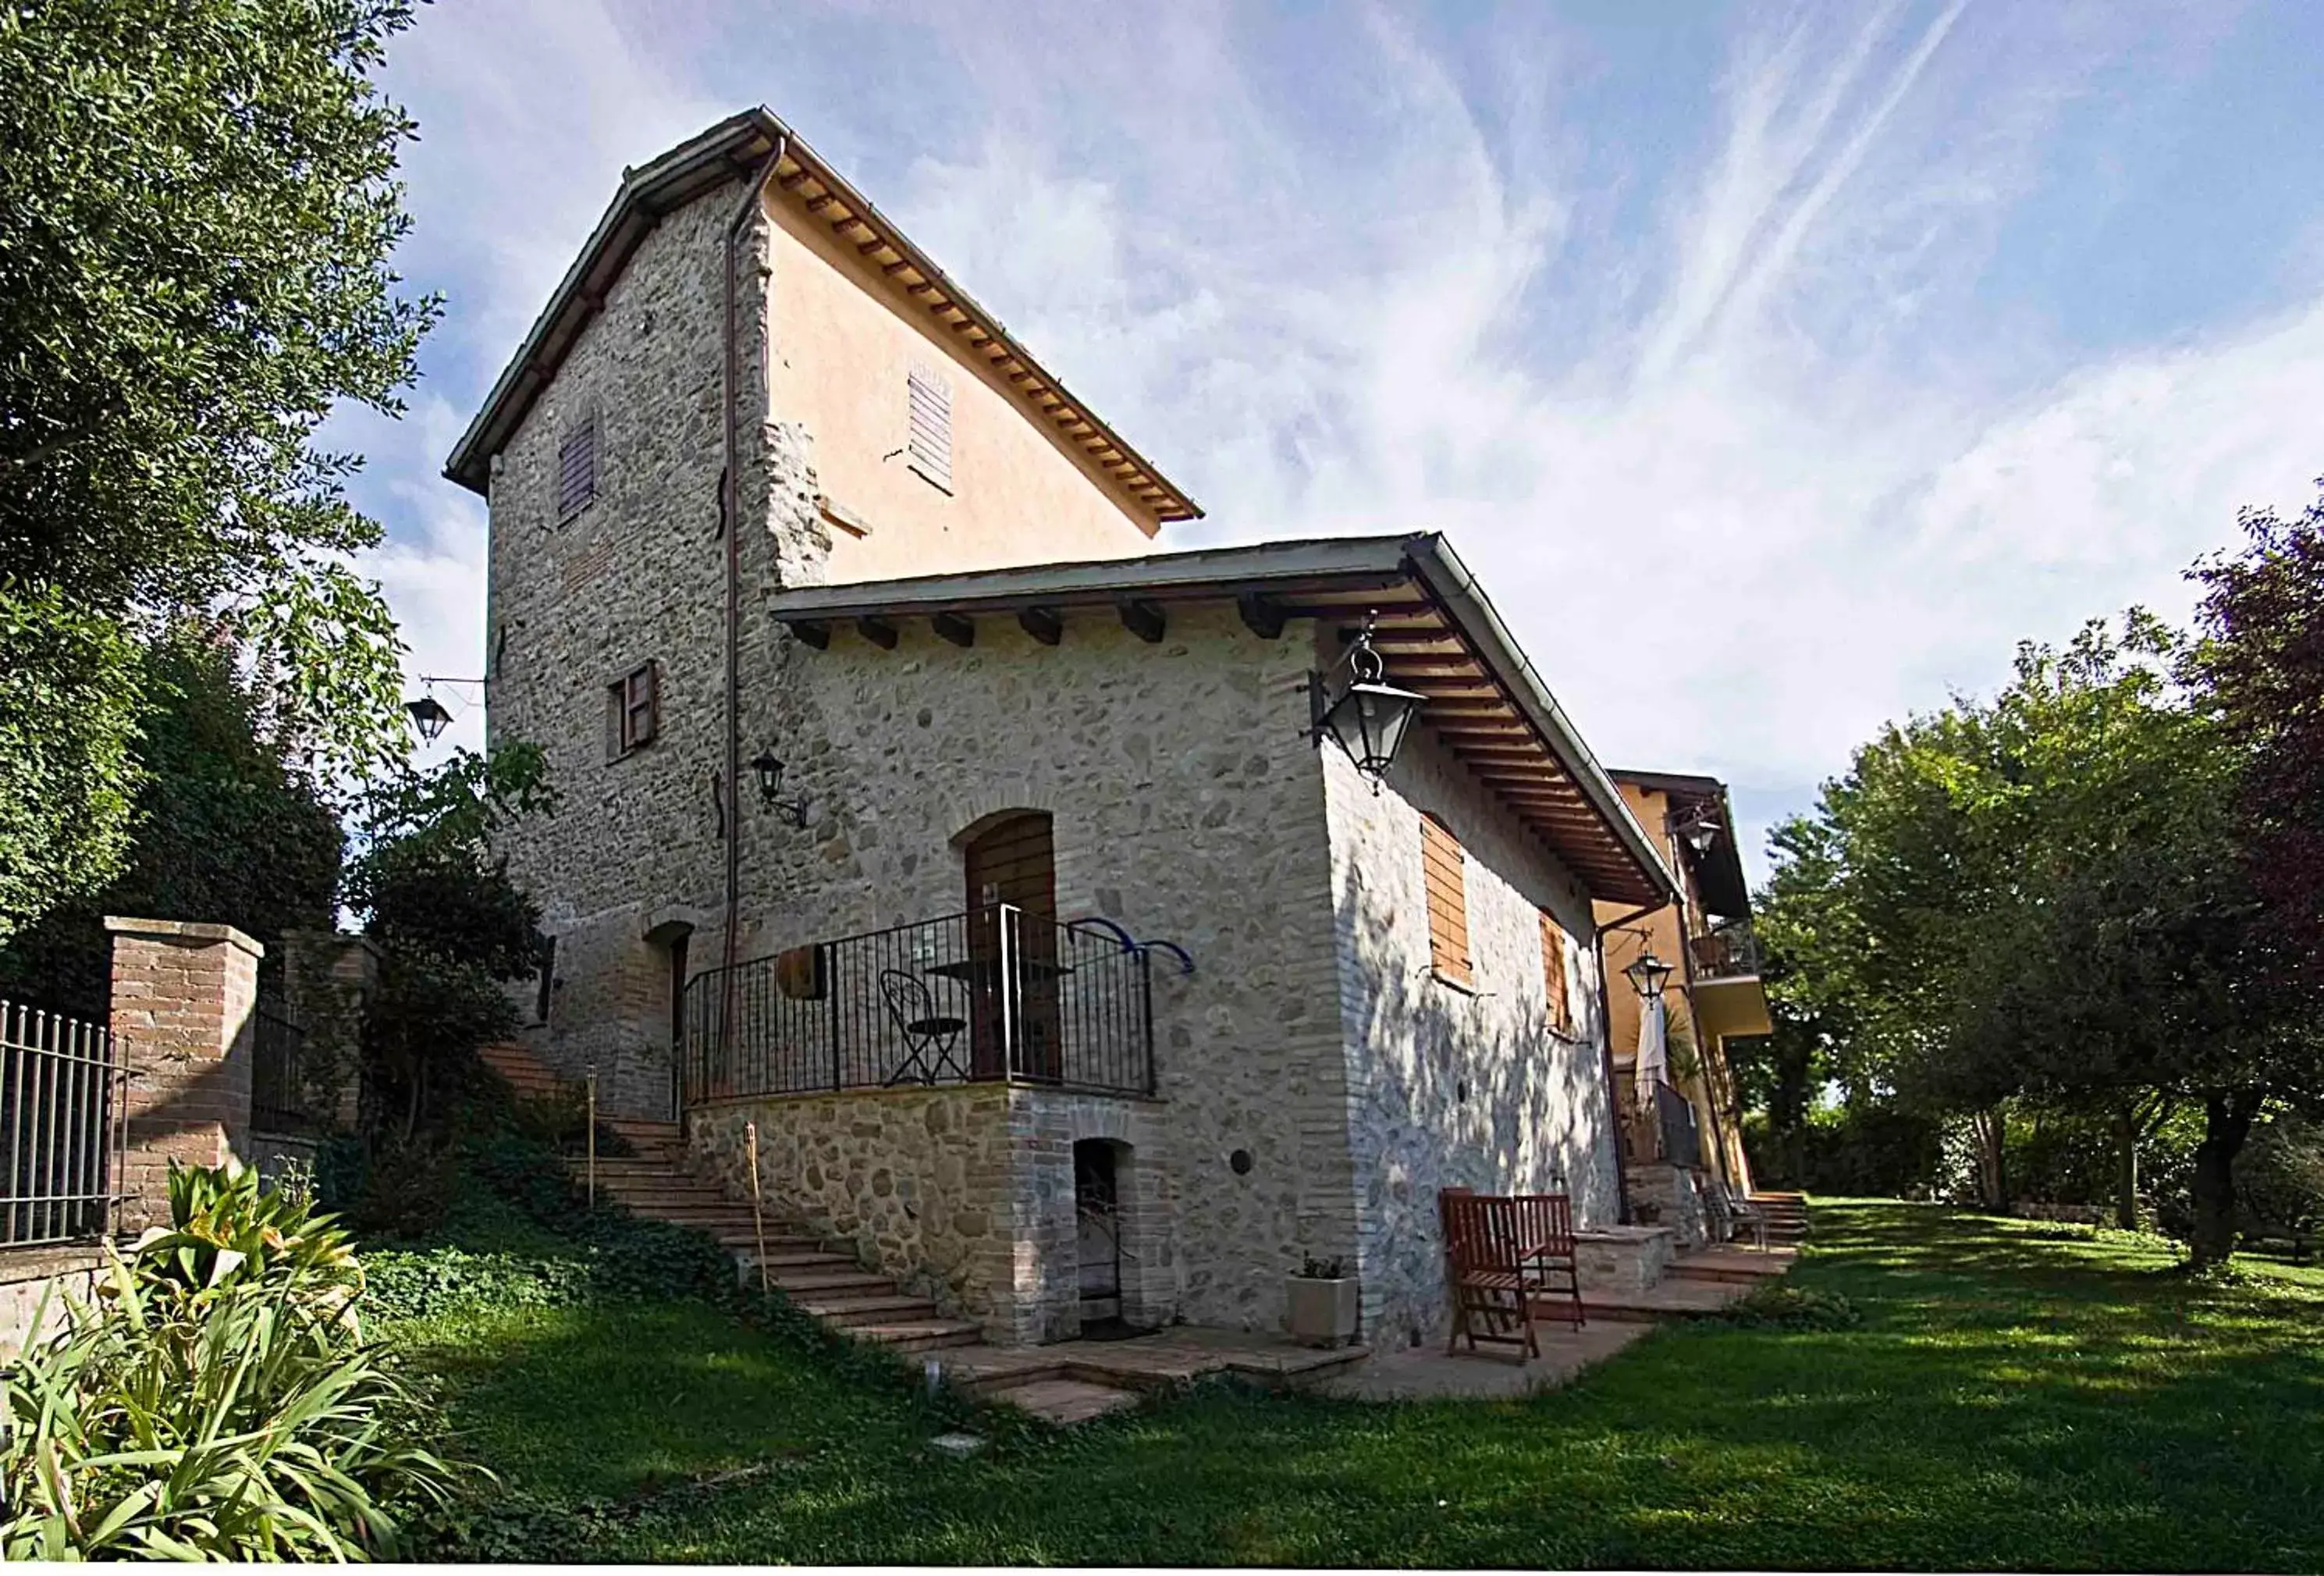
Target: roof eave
(733, 148)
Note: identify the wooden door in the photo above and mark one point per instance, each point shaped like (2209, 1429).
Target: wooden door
(1014, 861)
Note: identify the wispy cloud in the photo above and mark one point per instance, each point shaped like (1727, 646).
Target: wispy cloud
(1752, 434)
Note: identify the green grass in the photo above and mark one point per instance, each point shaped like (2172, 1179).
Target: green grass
(2018, 1395)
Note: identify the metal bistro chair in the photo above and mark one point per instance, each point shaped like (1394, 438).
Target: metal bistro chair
(931, 1038)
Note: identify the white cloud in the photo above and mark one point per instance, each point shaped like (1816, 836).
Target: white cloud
(1797, 480)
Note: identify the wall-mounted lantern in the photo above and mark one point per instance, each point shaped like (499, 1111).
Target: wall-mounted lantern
(1364, 714)
(1649, 974)
(770, 789)
(428, 716)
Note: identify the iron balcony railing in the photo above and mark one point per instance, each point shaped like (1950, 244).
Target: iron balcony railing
(61, 1127)
(279, 1101)
(1728, 952)
(1667, 1133)
(992, 996)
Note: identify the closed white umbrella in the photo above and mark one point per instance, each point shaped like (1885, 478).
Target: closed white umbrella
(1653, 1067)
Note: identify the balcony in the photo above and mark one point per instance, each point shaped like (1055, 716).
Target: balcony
(992, 996)
(1725, 952)
(1725, 988)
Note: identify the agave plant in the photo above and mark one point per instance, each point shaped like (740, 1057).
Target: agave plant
(217, 1403)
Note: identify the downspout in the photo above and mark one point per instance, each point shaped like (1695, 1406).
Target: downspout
(1605, 1048)
(730, 523)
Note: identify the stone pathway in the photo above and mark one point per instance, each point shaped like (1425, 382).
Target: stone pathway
(1427, 1373)
(1074, 1380)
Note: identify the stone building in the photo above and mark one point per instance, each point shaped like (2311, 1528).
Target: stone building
(916, 811)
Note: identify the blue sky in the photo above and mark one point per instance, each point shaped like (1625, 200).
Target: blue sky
(1778, 368)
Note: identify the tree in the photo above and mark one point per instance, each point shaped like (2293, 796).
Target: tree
(224, 830)
(2263, 661)
(196, 211)
(451, 927)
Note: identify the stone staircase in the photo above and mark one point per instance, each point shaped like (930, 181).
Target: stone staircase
(1787, 1216)
(657, 1181)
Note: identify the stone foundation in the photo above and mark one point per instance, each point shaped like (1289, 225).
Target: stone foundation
(964, 1194)
(1623, 1258)
(65, 1276)
(1674, 1193)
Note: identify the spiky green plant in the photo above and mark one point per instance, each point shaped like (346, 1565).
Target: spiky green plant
(215, 1401)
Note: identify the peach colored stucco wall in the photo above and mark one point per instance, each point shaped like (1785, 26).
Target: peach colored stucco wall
(844, 340)
(1652, 809)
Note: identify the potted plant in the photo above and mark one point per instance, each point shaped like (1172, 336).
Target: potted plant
(1322, 1301)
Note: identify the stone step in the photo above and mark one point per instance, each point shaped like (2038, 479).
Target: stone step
(809, 1284)
(920, 1334)
(797, 1254)
(1669, 1299)
(1065, 1401)
(664, 1194)
(872, 1308)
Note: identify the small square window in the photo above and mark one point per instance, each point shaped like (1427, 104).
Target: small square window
(576, 470)
(633, 709)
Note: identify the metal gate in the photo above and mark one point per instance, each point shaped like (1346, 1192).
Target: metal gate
(60, 1129)
(1097, 1216)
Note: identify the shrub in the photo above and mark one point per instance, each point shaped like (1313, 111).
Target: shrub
(216, 1402)
(1782, 1307)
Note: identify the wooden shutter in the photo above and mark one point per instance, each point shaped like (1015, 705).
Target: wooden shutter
(1552, 973)
(929, 440)
(576, 470)
(636, 701)
(1441, 868)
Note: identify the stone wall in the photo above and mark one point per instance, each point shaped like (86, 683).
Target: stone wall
(1452, 1085)
(964, 1194)
(49, 1282)
(1187, 807)
(916, 1181)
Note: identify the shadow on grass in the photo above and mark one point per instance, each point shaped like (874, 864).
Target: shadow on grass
(2013, 1400)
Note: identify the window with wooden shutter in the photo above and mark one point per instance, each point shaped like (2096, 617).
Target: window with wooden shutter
(928, 442)
(576, 470)
(634, 702)
(1553, 974)
(1442, 872)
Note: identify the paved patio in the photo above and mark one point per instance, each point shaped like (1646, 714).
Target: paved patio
(1427, 1373)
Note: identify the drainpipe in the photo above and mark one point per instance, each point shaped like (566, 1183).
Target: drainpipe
(730, 525)
(1605, 1048)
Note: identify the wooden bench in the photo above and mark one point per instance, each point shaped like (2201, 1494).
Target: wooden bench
(1502, 1255)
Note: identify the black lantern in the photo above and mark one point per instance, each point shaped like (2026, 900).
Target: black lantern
(1366, 715)
(428, 716)
(1700, 835)
(1649, 974)
(770, 789)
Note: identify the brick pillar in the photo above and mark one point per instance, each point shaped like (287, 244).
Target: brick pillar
(184, 1003)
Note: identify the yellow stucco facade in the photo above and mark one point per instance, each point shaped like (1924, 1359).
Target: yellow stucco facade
(1707, 1002)
(846, 336)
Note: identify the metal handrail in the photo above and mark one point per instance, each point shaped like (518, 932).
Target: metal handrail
(1010, 998)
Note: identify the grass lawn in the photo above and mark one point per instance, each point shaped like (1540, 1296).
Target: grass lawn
(2016, 1396)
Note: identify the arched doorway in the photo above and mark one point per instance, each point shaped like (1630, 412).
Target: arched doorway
(1012, 859)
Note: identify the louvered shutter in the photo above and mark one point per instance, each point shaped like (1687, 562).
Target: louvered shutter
(1442, 868)
(929, 440)
(577, 470)
(1552, 973)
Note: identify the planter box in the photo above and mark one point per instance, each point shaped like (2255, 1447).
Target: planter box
(1321, 1313)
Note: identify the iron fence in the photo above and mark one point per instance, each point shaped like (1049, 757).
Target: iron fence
(279, 1101)
(60, 1121)
(994, 995)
